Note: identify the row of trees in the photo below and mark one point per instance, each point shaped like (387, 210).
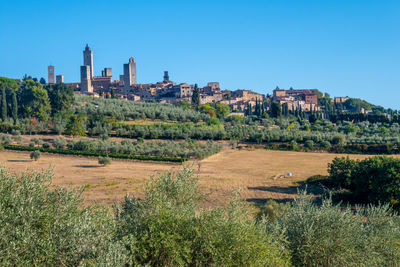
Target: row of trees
(186, 149)
(31, 99)
(129, 110)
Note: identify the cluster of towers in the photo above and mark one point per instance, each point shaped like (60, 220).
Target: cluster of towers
(88, 80)
(50, 72)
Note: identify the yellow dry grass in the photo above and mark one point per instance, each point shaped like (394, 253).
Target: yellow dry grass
(260, 174)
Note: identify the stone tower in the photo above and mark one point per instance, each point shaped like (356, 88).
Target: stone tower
(88, 59)
(86, 82)
(107, 72)
(50, 72)
(166, 76)
(129, 74)
(59, 78)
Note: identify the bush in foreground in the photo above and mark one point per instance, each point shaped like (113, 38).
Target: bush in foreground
(167, 229)
(330, 235)
(49, 227)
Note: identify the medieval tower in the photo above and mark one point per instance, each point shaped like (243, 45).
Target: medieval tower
(50, 72)
(129, 74)
(88, 59)
(86, 82)
(166, 76)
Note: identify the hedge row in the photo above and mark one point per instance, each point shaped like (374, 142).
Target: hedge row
(94, 154)
(380, 149)
(374, 149)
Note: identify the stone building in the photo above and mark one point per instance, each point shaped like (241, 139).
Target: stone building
(310, 96)
(183, 90)
(204, 99)
(337, 100)
(210, 93)
(50, 72)
(101, 83)
(247, 95)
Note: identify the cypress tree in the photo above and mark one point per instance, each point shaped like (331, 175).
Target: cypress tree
(3, 104)
(14, 107)
(196, 95)
(262, 108)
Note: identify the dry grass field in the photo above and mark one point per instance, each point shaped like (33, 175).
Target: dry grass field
(260, 174)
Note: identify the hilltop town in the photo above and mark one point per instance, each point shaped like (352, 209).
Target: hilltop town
(167, 91)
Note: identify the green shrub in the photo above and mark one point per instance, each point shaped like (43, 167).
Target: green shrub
(6, 139)
(377, 180)
(46, 145)
(341, 172)
(15, 132)
(373, 180)
(330, 235)
(59, 143)
(104, 160)
(35, 155)
(271, 210)
(166, 228)
(325, 144)
(309, 144)
(339, 140)
(37, 141)
(294, 145)
(43, 227)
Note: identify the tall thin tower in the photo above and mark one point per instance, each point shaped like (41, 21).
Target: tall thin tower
(166, 76)
(129, 74)
(50, 72)
(88, 59)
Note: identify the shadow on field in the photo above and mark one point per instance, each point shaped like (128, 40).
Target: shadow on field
(262, 201)
(88, 166)
(294, 189)
(315, 190)
(19, 160)
(277, 189)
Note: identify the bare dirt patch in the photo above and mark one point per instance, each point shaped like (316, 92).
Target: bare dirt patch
(259, 174)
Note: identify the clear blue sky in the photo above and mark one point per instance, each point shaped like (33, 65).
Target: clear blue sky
(343, 47)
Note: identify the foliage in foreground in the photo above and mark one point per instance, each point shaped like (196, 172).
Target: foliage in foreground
(42, 226)
(331, 235)
(48, 227)
(167, 229)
